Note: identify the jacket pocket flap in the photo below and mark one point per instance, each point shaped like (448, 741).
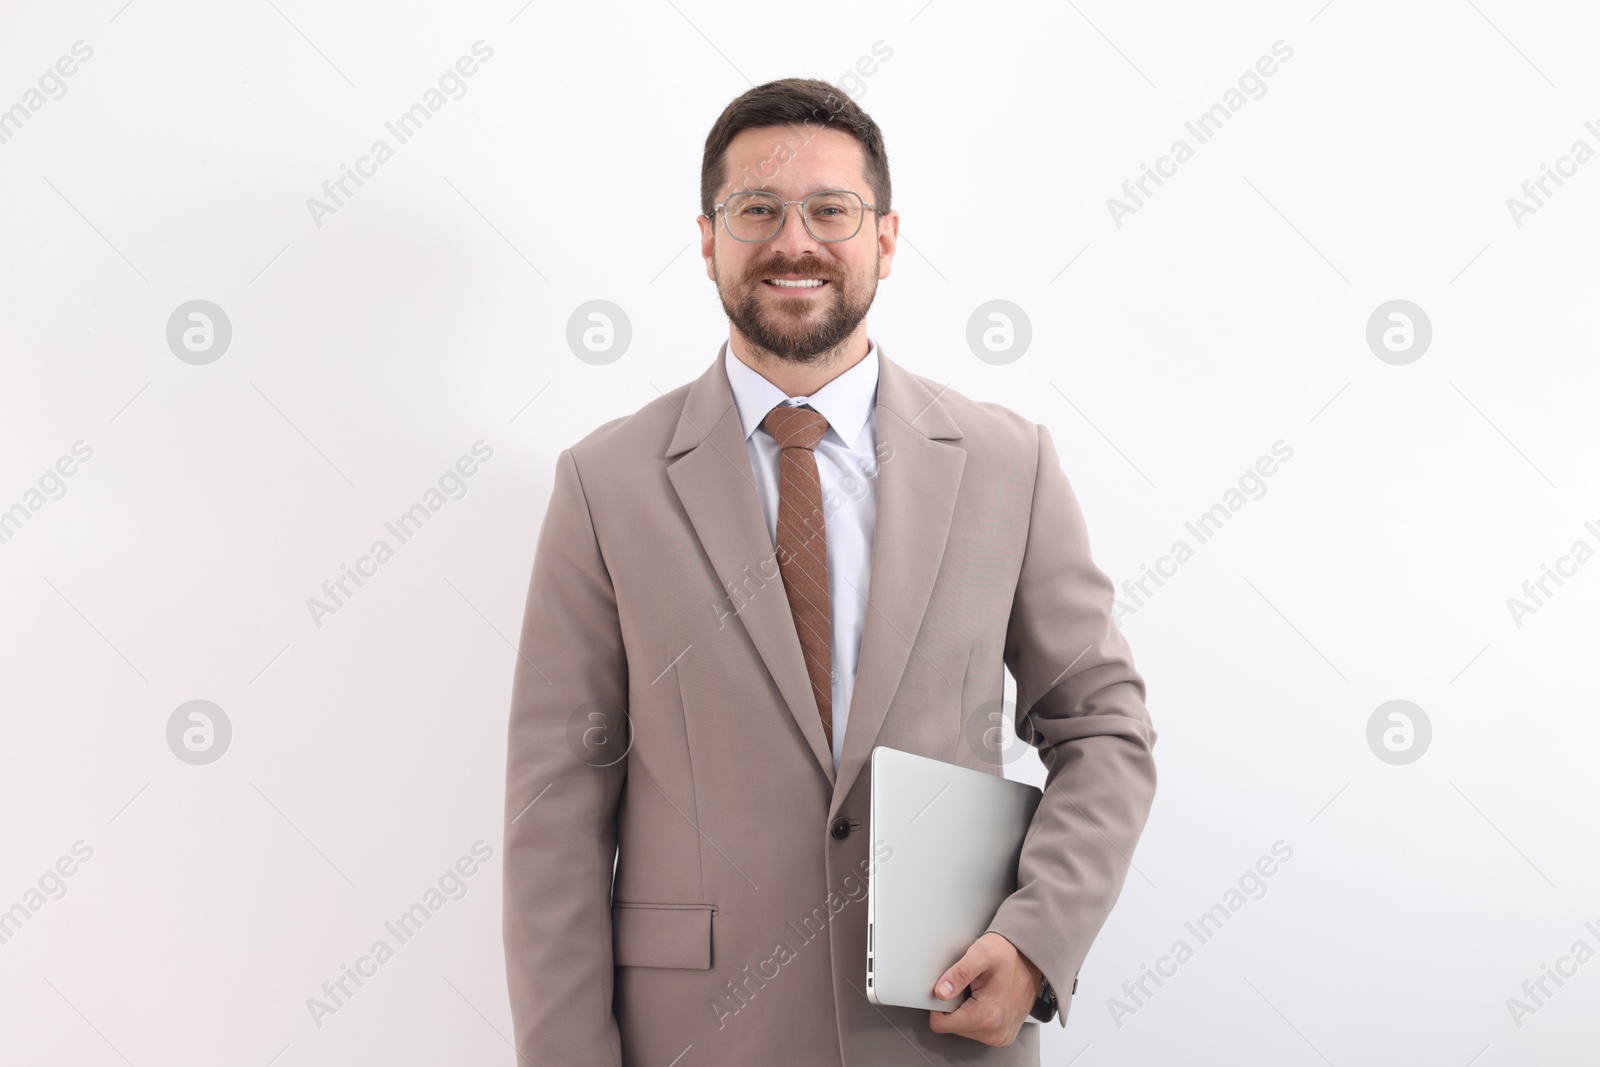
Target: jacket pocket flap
(661, 935)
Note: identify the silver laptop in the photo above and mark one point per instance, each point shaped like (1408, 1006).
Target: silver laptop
(954, 837)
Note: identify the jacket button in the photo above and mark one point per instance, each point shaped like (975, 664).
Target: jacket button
(841, 827)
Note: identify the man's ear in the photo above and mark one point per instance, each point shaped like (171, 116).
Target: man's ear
(708, 243)
(888, 240)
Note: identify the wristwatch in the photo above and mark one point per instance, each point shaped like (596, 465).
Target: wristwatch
(1044, 1008)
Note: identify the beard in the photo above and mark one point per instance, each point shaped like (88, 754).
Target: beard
(799, 329)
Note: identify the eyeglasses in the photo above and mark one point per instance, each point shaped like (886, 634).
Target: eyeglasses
(829, 215)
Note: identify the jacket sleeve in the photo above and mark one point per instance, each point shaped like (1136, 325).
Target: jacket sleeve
(1081, 704)
(562, 789)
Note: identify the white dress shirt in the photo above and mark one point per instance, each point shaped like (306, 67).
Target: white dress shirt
(847, 466)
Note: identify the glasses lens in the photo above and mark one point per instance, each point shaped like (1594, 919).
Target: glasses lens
(833, 215)
(753, 216)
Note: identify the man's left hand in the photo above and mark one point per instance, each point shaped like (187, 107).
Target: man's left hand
(1004, 982)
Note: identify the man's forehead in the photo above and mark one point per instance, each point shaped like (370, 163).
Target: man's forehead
(793, 160)
(812, 136)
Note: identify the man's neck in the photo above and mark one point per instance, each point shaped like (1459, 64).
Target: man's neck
(801, 379)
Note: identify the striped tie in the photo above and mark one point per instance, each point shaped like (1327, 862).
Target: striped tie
(803, 545)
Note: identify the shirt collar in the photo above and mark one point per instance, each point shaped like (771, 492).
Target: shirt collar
(845, 402)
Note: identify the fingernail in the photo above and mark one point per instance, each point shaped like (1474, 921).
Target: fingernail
(944, 989)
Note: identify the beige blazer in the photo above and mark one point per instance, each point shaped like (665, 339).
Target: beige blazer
(732, 928)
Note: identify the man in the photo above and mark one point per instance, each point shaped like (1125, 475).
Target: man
(739, 591)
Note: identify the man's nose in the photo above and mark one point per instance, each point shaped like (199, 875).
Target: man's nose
(793, 238)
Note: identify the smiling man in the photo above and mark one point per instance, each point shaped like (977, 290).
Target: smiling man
(739, 591)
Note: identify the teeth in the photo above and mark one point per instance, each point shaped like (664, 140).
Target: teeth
(804, 283)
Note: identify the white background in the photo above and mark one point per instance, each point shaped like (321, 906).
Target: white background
(1168, 353)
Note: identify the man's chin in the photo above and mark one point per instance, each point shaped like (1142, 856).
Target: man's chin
(797, 336)
(794, 353)
(796, 329)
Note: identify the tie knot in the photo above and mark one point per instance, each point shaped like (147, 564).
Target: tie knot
(794, 427)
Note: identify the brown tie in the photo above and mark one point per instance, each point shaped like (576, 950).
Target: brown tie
(803, 545)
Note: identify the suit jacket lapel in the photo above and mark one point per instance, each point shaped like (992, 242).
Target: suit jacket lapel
(713, 479)
(918, 480)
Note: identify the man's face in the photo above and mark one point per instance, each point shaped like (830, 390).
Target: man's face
(797, 324)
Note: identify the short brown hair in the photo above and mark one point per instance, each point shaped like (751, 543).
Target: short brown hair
(794, 102)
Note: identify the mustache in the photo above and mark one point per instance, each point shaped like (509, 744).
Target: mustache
(800, 268)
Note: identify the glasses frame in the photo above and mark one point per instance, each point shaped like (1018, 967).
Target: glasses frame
(783, 215)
